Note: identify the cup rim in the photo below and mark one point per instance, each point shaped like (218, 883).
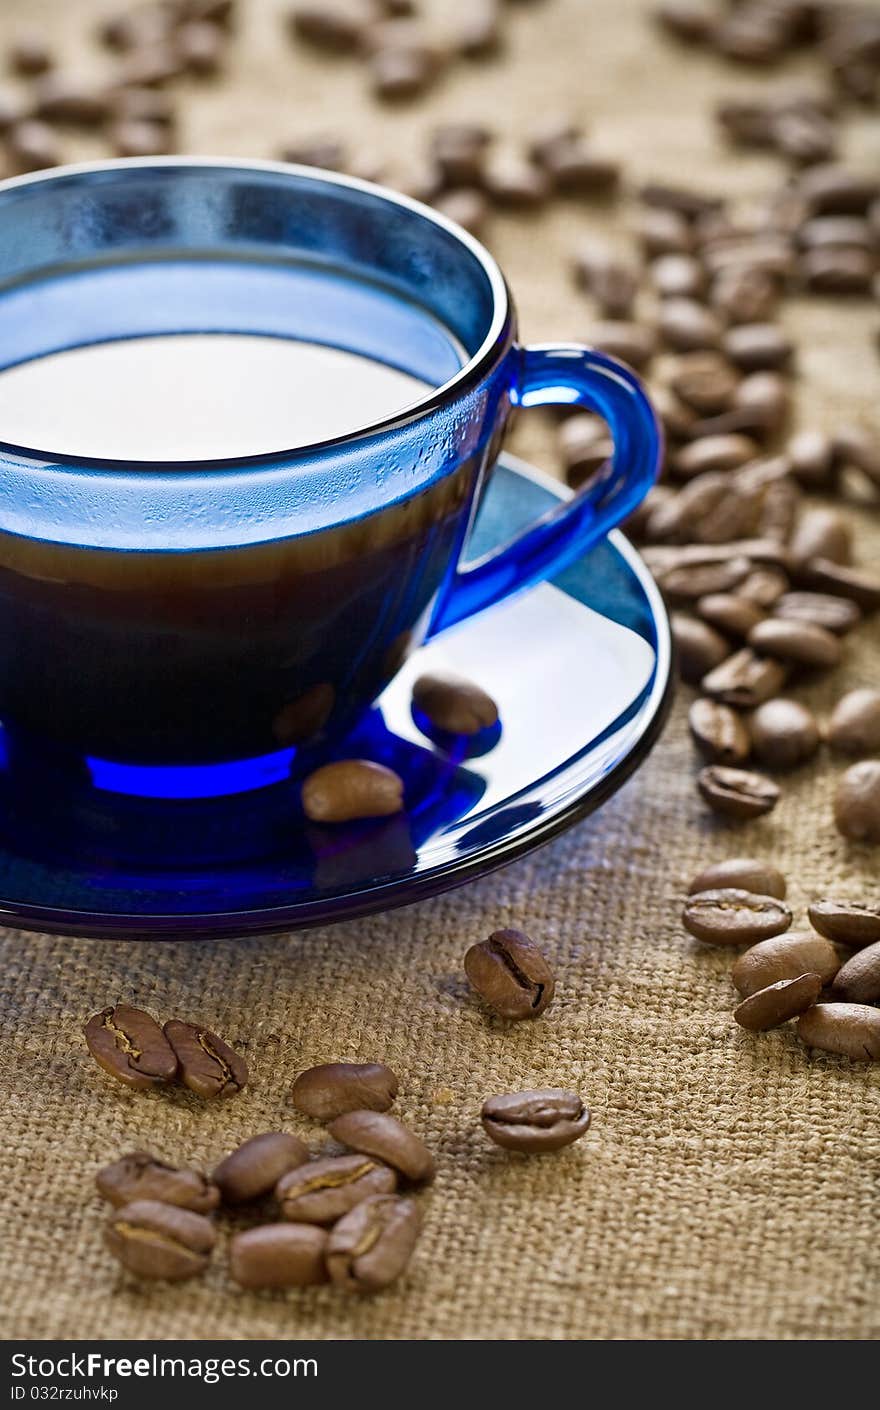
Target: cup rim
(470, 373)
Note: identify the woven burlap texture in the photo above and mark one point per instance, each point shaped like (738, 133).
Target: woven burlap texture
(728, 1186)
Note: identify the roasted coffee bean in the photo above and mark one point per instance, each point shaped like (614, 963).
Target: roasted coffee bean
(852, 923)
(705, 381)
(334, 1088)
(763, 551)
(857, 802)
(745, 680)
(339, 25)
(811, 457)
(805, 137)
(255, 1167)
(466, 206)
(681, 200)
(743, 874)
(633, 343)
(31, 146)
(138, 139)
(858, 981)
(835, 614)
(836, 190)
(371, 1245)
(350, 789)
(761, 404)
(775, 1005)
(400, 73)
(459, 149)
(746, 123)
(713, 453)
(664, 232)
(382, 1136)
(278, 1256)
(150, 67)
(755, 347)
(321, 1191)
(751, 35)
(743, 294)
(576, 170)
(718, 732)
(730, 613)
(763, 586)
(480, 33)
(687, 582)
(207, 1065)
(61, 98)
(140, 1176)
(854, 726)
(821, 575)
(585, 446)
(533, 1122)
(784, 734)
(852, 1030)
(674, 415)
(736, 793)
(148, 105)
(453, 703)
(200, 45)
(550, 133)
(612, 283)
(685, 19)
(698, 647)
(131, 1046)
(838, 270)
(157, 1240)
(29, 54)
(710, 509)
(853, 445)
(852, 231)
(132, 29)
(511, 974)
(784, 957)
(731, 916)
(513, 182)
(799, 643)
(640, 524)
(770, 254)
(678, 277)
(688, 326)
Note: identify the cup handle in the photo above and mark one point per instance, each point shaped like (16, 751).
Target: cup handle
(566, 374)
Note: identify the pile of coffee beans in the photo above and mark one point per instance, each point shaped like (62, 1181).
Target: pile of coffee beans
(129, 1044)
(787, 974)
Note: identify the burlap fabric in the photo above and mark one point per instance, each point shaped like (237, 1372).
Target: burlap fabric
(728, 1188)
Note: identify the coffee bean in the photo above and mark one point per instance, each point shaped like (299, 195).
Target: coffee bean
(851, 231)
(371, 1245)
(784, 957)
(480, 34)
(713, 453)
(140, 1176)
(533, 1122)
(551, 133)
(775, 1005)
(321, 1191)
(854, 726)
(664, 232)
(511, 974)
(718, 732)
(29, 54)
(585, 446)
(31, 146)
(633, 343)
(340, 25)
(334, 1088)
(138, 139)
(680, 200)
(744, 874)
(852, 1030)
(805, 137)
(750, 36)
(148, 105)
(838, 270)
(133, 29)
(835, 614)
(810, 454)
(799, 643)
(377, 1134)
(693, 555)
(685, 19)
(853, 445)
(200, 46)
(61, 98)
(513, 182)
(131, 1046)
(157, 1240)
(704, 380)
(745, 680)
(698, 647)
(255, 1167)
(278, 1256)
(612, 283)
(821, 575)
(784, 734)
(757, 346)
(764, 586)
(710, 509)
(736, 793)
(675, 417)
(746, 123)
(852, 923)
(836, 190)
(761, 404)
(453, 703)
(770, 254)
(575, 170)
(458, 149)
(687, 582)
(466, 206)
(857, 802)
(743, 294)
(858, 981)
(730, 613)
(731, 916)
(678, 276)
(688, 326)
(150, 66)
(207, 1065)
(350, 789)
(401, 58)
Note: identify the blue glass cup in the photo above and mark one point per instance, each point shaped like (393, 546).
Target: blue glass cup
(233, 614)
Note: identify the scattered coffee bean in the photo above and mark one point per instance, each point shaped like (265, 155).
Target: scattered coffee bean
(745, 680)
(200, 45)
(757, 347)
(800, 643)
(698, 647)
(726, 452)
(736, 793)
(852, 1030)
(511, 974)
(853, 445)
(688, 582)
(704, 380)
(785, 999)
(255, 1167)
(321, 1191)
(821, 575)
(730, 613)
(822, 533)
(138, 139)
(61, 98)
(763, 586)
(688, 326)
(351, 789)
(339, 26)
(141, 1176)
(513, 182)
(858, 981)
(664, 232)
(852, 923)
(718, 732)
(633, 343)
(854, 726)
(278, 1256)
(612, 283)
(131, 1046)
(148, 105)
(382, 1136)
(811, 455)
(458, 149)
(454, 704)
(585, 446)
(681, 200)
(31, 146)
(678, 277)
(731, 916)
(371, 1245)
(819, 609)
(480, 33)
(761, 404)
(533, 1122)
(744, 874)
(207, 1065)
(784, 957)
(29, 54)
(784, 734)
(743, 294)
(857, 802)
(157, 1240)
(835, 190)
(686, 19)
(466, 206)
(334, 1088)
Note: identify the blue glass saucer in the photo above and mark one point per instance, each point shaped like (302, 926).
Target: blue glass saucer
(580, 668)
